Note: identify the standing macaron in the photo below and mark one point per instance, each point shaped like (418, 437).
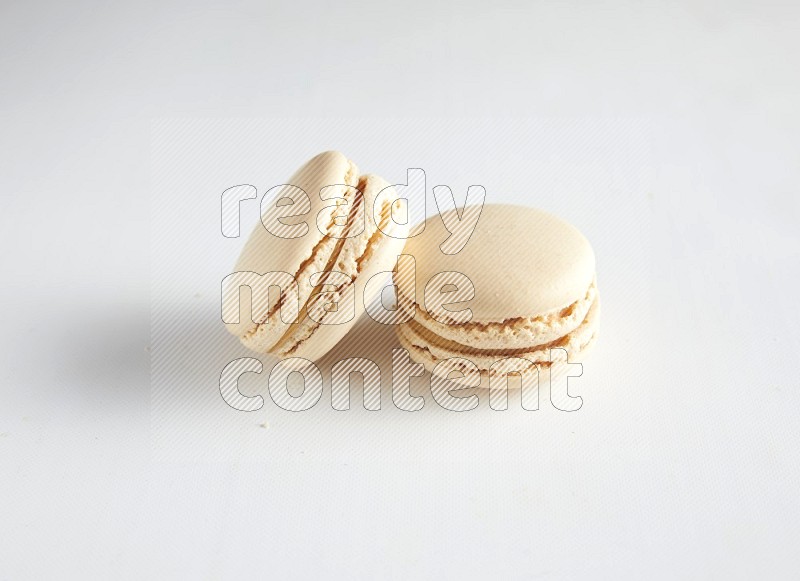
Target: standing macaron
(534, 291)
(328, 230)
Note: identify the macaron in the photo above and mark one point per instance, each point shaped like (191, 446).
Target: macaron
(534, 301)
(331, 240)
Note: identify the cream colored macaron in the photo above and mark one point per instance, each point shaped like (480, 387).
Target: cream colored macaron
(347, 241)
(535, 295)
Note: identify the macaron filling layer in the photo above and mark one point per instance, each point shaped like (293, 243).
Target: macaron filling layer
(271, 330)
(432, 348)
(511, 333)
(328, 246)
(290, 341)
(350, 256)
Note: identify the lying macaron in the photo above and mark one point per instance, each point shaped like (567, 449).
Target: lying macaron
(347, 240)
(534, 291)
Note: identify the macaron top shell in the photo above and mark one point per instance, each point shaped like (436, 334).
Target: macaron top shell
(522, 261)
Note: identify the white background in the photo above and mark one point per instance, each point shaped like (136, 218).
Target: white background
(682, 463)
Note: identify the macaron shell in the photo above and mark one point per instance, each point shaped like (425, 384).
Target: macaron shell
(361, 258)
(522, 261)
(299, 257)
